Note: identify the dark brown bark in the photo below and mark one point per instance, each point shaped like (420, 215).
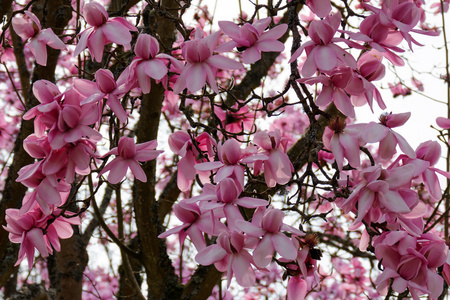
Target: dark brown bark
(66, 268)
(161, 278)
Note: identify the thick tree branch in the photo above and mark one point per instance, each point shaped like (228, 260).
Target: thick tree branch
(161, 278)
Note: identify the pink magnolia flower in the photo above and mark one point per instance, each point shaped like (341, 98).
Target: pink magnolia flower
(411, 263)
(224, 199)
(399, 90)
(148, 63)
(29, 27)
(229, 254)
(104, 87)
(438, 6)
(202, 64)
(387, 190)
(230, 156)
(28, 230)
(181, 144)
(236, 122)
(278, 167)
(251, 38)
(103, 31)
(427, 156)
(333, 89)
(268, 224)
(74, 121)
(379, 37)
(322, 53)
(343, 141)
(46, 113)
(382, 132)
(195, 224)
(128, 155)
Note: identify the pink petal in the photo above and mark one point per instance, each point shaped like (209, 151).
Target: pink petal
(251, 55)
(283, 245)
(197, 77)
(116, 33)
(137, 170)
(155, 69)
(263, 253)
(296, 289)
(274, 33)
(222, 62)
(210, 255)
(36, 237)
(245, 276)
(96, 43)
(325, 58)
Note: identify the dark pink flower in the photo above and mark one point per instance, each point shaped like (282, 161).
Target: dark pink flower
(252, 40)
(322, 53)
(277, 168)
(104, 87)
(382, 132)
(148, 63)
(28, 230)
(229, 255)
(269, 227)
(103, 31)
(128, 155)
(29, 27)
(202, 64)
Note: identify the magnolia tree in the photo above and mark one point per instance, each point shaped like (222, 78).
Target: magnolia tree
(151, 150)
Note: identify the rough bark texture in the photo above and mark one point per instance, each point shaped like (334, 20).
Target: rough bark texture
(161, 279)
(66, 268)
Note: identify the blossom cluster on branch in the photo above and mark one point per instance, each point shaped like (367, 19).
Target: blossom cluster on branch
(251, 202)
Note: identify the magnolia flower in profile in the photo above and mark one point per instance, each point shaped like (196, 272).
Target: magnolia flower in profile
(29, 27)
(268, 224)
(322, 53)
(277, 167)
(202, 64)
(103, 31)
(28, 231)
(251, 38)
(128, 155)
(104, 87)
(149, 63)
(229, 254)
(382, 132)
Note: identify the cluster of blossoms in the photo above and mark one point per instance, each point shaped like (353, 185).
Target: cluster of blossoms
(227, 222)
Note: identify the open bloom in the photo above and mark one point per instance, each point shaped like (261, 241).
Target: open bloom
(268, 223)
(28, 230)
(252, 40)
(277, 168)
(104, 87)
(322, 52)
(229, 255)
(128, 156)
(29, 27)
(382, 132)
(202, 64)
(195, 224)
(103, 31)
(410, 262)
